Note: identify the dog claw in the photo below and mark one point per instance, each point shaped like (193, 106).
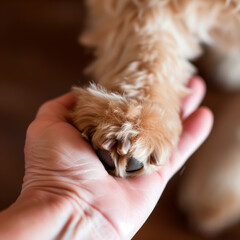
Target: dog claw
(123, 147)
(107, 145)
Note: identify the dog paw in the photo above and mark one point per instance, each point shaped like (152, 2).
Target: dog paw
(130, 137)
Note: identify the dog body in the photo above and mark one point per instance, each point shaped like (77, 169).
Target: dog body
(210, 190)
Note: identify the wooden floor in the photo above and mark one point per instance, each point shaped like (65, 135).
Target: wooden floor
(41, 59)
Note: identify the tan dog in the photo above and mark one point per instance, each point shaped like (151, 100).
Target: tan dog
(143, 49)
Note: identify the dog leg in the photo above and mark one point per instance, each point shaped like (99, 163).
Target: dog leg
(210, 191)
(222, 60)
(141, 49)
(221, 68)
(132, 119)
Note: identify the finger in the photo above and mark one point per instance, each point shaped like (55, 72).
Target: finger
(144, 191)
(196, 129)
(197, 89)
(68, 100)
(57, 108)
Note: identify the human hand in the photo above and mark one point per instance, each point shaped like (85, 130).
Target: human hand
(60, 162)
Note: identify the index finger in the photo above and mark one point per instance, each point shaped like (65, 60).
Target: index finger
(57, 108)
(190, 103)
(196, 128)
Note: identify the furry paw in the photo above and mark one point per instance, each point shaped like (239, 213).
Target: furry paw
(130, 137)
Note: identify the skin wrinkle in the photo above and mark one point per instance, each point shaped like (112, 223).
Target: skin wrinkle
(86, 212)
(65, 168)
(64, 234)
(69, 195)
(34, 183)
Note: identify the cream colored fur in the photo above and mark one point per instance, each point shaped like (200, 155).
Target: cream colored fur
(142, 63)
(210, 192)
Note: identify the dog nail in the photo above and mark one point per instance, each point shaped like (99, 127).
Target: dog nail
(123, 147)
(107, 145)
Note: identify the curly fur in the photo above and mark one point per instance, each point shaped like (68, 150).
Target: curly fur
(142, 50)
(142, 63)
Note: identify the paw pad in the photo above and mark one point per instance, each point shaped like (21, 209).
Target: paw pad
(106, 158)
(133, 165)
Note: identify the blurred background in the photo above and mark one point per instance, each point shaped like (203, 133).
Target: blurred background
(41, 59)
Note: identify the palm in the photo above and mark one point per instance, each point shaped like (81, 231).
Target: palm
(57, 157)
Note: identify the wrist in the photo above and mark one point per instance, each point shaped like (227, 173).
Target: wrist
(34, 215)
(80, 220)
(39, 214)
